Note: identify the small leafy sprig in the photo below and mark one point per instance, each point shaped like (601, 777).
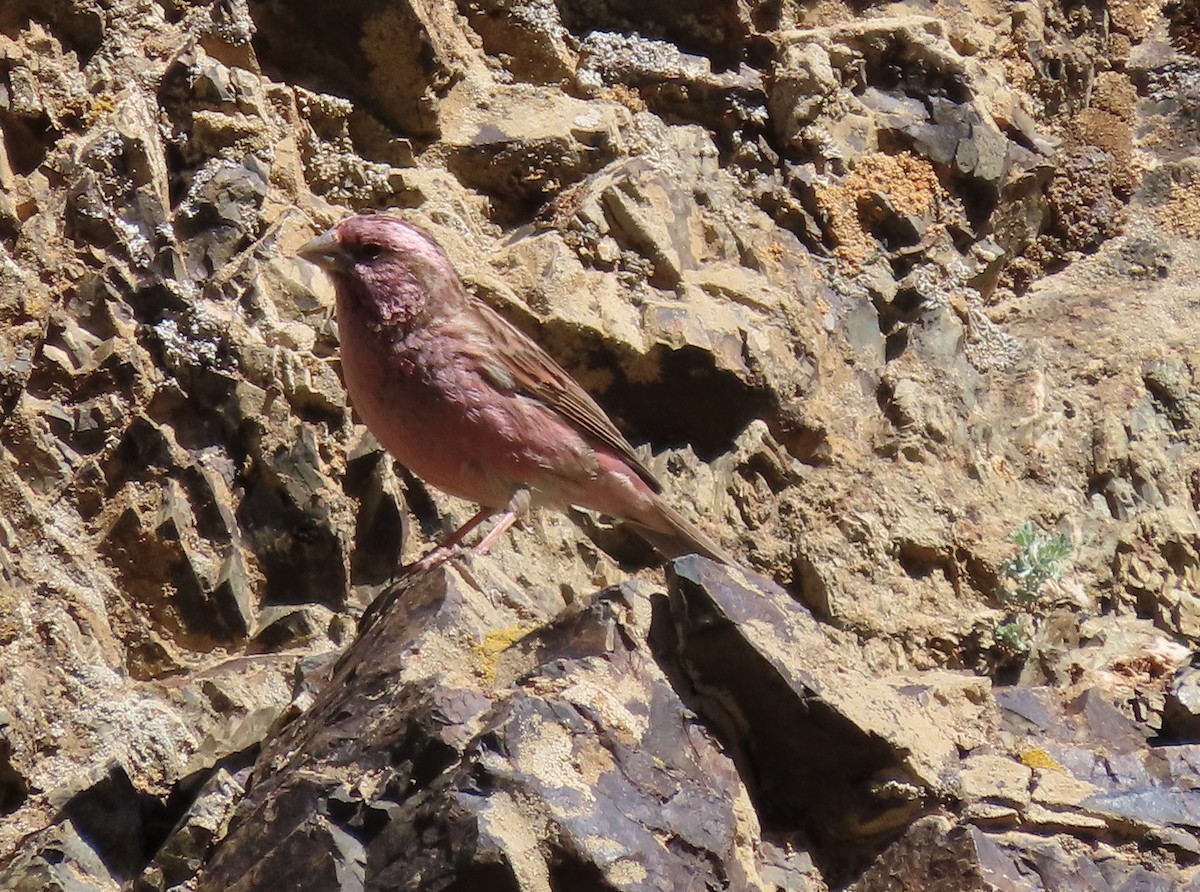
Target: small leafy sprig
(1039, 561)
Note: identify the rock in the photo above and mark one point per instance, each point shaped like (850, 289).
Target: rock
(1181, 715)
(918, 861)
(220, 214)
(995, 779)
(287, 626)
(204, 824)
(14, 788)
(300, 550)
(119, 190)
(1085, 212)
(869, 292)
(586, 711)
(804, 82)
(524, 144)
(954, 129)
(728, 629)
(1129, 659)
(41, 865)
(101, 830)
(1151, 575)
(527, 36)
(151, 553)
(325, 158)
(671, 82)
(719, 30)
(636, 206)
(1058, 803)
(359, 56)
(985, 861)
(22, 305)
(1138, 798)
(381, 527)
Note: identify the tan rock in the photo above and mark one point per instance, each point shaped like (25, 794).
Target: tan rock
(995, 780)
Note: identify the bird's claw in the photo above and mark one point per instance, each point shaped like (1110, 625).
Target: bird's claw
(434, 558)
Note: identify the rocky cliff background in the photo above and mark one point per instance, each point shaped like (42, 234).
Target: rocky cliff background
(877, 284)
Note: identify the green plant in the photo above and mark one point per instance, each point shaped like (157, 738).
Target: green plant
(1012, 638)
(1038, 562)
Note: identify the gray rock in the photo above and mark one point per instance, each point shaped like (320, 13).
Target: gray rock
(14, 788)
(935, 854)
(803, 258)
(98, 842)
(589, 744)
(1181, 716)
(205, 822)
(758, 660)
(525, 144)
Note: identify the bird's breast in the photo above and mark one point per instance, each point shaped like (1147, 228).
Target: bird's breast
(428, 403)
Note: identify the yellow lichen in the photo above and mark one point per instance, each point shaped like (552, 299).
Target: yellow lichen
(101, 106)
(1039, 758)
(494, 643)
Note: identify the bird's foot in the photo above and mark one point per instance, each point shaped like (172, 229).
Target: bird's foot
(435, 557)
(517, 509)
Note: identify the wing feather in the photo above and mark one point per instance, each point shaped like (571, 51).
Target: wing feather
(527, 368)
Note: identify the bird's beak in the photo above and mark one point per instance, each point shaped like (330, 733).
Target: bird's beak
(325, 251)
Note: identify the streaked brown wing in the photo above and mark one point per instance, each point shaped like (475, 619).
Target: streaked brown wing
(536, 374)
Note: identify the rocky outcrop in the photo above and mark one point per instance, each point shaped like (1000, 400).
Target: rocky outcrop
(874, 286)
(713, 733)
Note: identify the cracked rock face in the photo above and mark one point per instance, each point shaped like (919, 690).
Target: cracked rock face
(871, 285)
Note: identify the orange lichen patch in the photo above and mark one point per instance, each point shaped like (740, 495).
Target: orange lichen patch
(908, 181)
(1181, 213)
(1114, 93)
(853, 245)
(1019, 71)
(1145, 666)
(1104, 130)
(626, 96)
(774, 251)
(1130, 17)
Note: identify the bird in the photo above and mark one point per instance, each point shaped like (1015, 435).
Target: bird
(469, 403)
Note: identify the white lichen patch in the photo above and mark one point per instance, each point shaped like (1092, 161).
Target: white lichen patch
(503, 820)
(609, 701)
(548, 753)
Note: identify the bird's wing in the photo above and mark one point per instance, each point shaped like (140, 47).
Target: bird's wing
(528, 369)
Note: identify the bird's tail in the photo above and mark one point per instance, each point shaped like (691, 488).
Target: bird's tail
(674, 535)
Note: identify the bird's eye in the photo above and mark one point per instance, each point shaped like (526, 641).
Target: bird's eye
(369, 252)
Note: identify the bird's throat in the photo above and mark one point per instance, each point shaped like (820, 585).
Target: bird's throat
(397, 304)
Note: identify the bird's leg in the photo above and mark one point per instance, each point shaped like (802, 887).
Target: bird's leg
(450, 545)
(517, 509)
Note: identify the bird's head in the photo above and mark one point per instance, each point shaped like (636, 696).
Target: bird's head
(386, 266)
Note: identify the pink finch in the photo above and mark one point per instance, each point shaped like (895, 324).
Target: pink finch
(468, 402)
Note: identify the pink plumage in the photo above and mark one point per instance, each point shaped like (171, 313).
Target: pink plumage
(468, 402)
